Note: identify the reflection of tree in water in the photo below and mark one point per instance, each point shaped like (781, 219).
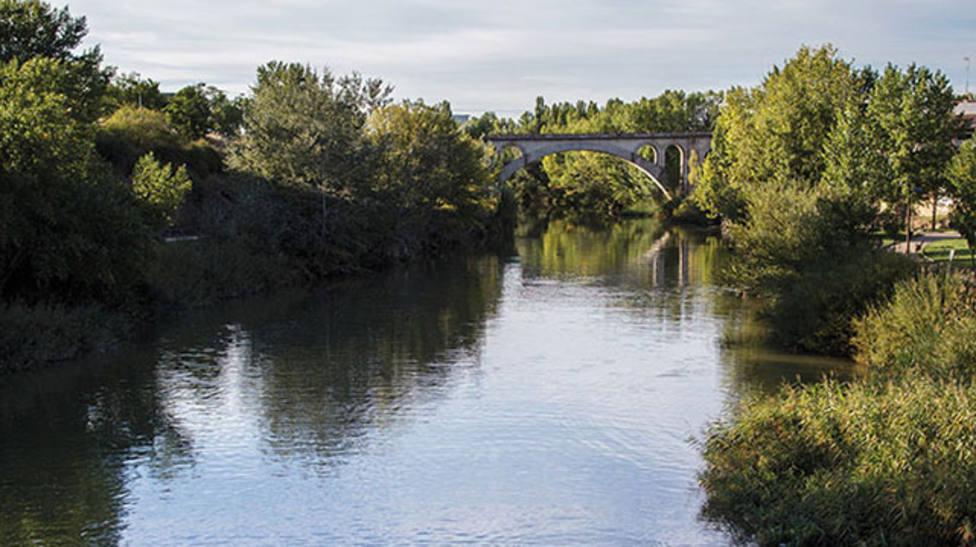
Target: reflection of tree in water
(753, 366)
(362, 358)
(66, 436)
(653, 271)
(316, 374)
(674, 275)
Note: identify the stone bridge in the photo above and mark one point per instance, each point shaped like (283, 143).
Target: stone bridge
(626, 146)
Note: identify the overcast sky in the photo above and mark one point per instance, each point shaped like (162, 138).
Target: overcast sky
(500, 54)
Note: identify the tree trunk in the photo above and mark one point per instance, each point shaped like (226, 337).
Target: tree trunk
(935, 208)
(908, 229)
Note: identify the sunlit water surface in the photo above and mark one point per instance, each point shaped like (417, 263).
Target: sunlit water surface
(552, 396)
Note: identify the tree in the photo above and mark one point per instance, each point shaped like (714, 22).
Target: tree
(911, 112)
(777, 132)
(141, 128)
(855, 173)
(131, 90)
(226, 115)
(962, 187)
(306, 128)
(32, 29)
(427, 163)
(189, 111)
(67, 228)
(161, 187)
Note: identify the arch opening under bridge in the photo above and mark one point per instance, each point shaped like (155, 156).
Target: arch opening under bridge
(624, 146)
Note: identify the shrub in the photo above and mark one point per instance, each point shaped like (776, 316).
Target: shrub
(32, 336)
(927, 327)
(68, 229)
(808, 255)
(196, 273)
(817, 310)
(160, 187)
(132, 132)
(141, 128)
(867, 464)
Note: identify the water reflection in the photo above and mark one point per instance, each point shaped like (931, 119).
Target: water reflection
(64, 439)
(546, 399)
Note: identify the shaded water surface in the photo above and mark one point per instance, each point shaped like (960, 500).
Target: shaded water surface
(546, 397)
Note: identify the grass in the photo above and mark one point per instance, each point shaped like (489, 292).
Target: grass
(864, 464)
(939, 251)
(887, 460)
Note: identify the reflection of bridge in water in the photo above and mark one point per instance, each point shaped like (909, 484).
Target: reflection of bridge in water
(656, 258)
(632, 148)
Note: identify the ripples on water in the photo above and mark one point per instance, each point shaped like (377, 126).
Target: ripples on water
(548, 397)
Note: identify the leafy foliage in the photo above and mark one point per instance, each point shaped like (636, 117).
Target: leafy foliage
(865, 464)
(189, 112)
(427, 163)
(928, 327)
(962, 187)
(33, 29)
(912, 110)
(132, 132)
(133, 91)
(142, 128)
(305, 128)
(68, 228)
(776, 133)
(160, 187)
(806, 253)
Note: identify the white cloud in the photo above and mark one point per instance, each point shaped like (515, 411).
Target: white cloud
(499, 55)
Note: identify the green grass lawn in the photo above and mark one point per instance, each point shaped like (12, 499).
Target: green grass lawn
(939, 251)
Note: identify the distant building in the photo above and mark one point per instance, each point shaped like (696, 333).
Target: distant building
(967, 109)
(461, 119)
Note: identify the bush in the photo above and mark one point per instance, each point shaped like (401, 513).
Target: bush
(816, 311)
(32, 336)
(927, 327)
(132, 132)
(161, 188)
(191, 274)
(867, 464)
(809, 257)
(68, 229)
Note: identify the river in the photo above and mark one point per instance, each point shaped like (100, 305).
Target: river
(552, 395)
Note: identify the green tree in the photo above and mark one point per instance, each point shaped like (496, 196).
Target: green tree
(67, 228)
(131, 90)
(142, 128)
(962, 187)
(306, 128)
(914, 126)
(777, 132)
(856, 173)
(31, 29)
(428, 164)
(161, 187)
(226, 115)
(189, 111)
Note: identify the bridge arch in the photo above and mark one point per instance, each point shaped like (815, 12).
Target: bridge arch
(529, 157)
(626, 146)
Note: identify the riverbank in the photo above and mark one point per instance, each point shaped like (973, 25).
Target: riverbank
(254, 236)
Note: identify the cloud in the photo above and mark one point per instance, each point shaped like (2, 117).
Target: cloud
(499, 55)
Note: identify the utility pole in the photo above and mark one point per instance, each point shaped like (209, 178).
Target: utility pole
(968, 63)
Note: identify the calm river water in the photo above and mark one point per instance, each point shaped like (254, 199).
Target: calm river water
(550, 397)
